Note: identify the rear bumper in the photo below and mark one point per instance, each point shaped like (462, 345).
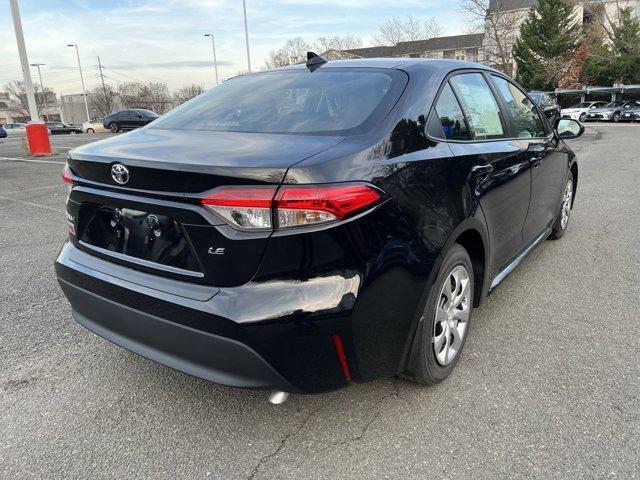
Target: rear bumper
(597, 117)
(205, 355)
(184, 326)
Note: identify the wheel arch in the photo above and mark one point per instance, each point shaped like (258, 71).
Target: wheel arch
(472, 235)
(573, 168)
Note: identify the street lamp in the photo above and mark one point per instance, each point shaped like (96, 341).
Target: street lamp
(213, 46)
(24, 62)
(246, 33)
(84, 93)
(44, 96)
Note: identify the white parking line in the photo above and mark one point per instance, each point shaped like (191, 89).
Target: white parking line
(19, 159)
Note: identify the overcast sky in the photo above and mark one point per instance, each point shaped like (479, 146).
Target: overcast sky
(162, 40)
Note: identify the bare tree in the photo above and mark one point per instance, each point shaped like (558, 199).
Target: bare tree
(602, 20)
(406, 29)
(18, 98)
(294, 51)
(151, 95)
(500, 25)
(337, 45)
(102, 99)
(187, 92)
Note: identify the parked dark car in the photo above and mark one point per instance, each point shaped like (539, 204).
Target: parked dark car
(547, 103)
(3, 132)
(611, 112)
(308, 227)
(59, 128)
(631, 114)
(128, 119)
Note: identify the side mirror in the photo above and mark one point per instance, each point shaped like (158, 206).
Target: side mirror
(567, 128)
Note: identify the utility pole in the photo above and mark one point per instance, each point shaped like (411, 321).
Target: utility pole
(215, 61)
(44, 96)
(104, 89)
(24, 62)
(246, 33)
(84, 93)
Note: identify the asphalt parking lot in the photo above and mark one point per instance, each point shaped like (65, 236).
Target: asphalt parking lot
(548, 385)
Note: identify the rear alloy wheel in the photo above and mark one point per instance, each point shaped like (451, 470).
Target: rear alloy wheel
(562, 220)
(90, 130)
(616, 117)
(443, 326)
(113, 127)
(582, 117)
(452, 315)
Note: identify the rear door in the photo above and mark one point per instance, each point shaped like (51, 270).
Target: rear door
(495, 165)
(123, 119)
(548, 162)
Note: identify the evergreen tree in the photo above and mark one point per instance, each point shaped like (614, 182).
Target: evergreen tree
(618, 61)
(547, 39)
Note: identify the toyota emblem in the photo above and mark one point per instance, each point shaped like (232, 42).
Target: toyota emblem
(119, 173)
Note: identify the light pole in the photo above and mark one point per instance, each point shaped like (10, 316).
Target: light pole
(24, 62)
(84, 93)
(44, 96)
(215, 61)
(246, 33)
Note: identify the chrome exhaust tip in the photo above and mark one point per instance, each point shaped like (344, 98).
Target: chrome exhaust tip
(276, 397)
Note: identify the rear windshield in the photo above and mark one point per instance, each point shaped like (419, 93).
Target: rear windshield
(329, 101)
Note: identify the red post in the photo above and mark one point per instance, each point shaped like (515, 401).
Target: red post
(38, 139)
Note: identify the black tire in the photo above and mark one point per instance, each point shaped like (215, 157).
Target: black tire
(423, 367)
(114, 127)
(616, 117)
(558, 229)
(90, 130)
(582, 117)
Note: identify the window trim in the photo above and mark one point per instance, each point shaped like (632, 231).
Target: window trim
(511, 135)
(543, 118)
(504, 119)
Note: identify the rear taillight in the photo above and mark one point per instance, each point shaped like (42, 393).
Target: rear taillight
(252, 208)
(67, 176)
(247, 208)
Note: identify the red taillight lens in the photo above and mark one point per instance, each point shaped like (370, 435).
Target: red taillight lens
(67, 176)
(293, 206)
(298, 206)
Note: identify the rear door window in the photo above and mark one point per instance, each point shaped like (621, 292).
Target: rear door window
(479, 105)
(450, 115)
(525, 115)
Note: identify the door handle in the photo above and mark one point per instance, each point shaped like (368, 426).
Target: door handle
(481, 170)
(536, 161)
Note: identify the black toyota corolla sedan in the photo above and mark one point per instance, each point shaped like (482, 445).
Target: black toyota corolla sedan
(308, 227)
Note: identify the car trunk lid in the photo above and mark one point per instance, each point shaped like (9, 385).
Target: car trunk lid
(153, 222)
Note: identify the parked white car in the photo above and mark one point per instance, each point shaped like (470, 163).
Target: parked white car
(94, 125)
(579, 111)
(15, 129)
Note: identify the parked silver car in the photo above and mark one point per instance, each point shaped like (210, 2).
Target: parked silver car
(580, 111)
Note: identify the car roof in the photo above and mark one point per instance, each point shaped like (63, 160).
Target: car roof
(395, 62)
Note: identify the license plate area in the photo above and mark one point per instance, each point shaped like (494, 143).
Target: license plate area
(146, 236)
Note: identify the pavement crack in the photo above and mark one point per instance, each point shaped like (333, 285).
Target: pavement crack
(283, 441)
(375, 416)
